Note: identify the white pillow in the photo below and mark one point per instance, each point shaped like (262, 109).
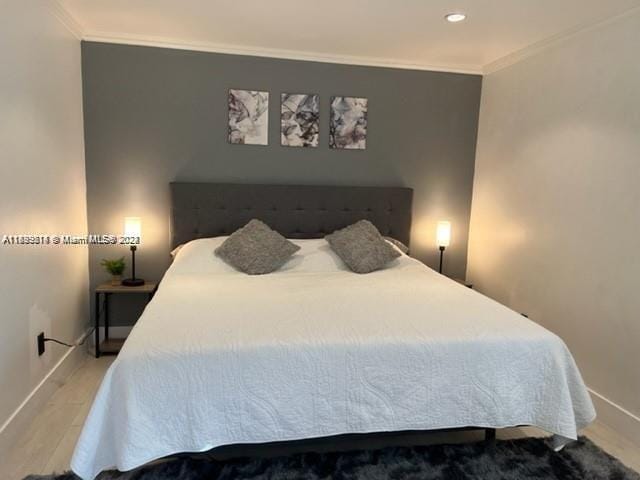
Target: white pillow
(174, 252)
(314, 256)
(197, 256)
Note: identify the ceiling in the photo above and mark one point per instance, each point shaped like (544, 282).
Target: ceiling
(400, 33)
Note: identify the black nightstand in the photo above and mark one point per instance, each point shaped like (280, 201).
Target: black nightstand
(112, 346)
(463, 282)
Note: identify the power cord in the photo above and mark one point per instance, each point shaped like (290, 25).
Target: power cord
(42, 339)
(86, 336)
(58, 342)
(79, 344)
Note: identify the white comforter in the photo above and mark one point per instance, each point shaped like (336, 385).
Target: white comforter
(219, 357)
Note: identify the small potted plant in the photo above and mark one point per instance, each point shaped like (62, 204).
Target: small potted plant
(115, 268)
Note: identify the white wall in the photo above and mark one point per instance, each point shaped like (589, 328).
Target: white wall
(555, 226)
(42, 187)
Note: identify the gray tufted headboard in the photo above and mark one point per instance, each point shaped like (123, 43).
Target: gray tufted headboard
(201, 210)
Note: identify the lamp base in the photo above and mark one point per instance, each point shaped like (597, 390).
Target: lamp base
(132, 282)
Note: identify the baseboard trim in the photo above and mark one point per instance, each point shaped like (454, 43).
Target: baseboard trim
(40, 395)
(616, 417)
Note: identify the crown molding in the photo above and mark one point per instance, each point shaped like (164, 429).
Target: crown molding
(512, 58)
(75, 27)
(64, 17)
(553, 41)
(142, 40)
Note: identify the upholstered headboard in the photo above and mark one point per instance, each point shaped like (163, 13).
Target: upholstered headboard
(201, 210)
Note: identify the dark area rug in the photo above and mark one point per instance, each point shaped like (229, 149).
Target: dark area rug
(529, 458)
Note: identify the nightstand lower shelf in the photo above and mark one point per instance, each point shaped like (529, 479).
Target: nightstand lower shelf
(111, 346)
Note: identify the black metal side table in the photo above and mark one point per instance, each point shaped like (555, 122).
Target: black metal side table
(112, 346)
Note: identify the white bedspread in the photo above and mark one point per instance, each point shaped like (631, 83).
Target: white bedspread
(219, 357)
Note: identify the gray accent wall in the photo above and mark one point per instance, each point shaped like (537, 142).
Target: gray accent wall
(156, 115)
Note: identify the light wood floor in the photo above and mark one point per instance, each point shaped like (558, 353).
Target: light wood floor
(47, 444)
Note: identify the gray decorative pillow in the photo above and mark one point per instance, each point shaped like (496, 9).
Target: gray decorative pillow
(256, 249)
(403, 248)
(362, 247)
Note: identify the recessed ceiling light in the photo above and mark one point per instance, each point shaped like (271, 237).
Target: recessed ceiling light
(455, 17)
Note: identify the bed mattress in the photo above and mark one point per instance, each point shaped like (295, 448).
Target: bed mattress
(219, 357)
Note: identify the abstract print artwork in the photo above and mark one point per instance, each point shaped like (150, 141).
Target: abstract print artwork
(299, 120)
(348, 123)
(248, 117)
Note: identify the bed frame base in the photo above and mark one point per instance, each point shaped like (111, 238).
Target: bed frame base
(490, 435)
(350, 441)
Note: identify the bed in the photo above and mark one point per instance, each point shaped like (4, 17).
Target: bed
(314, 350)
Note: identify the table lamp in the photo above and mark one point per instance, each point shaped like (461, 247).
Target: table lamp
(443, 238)
(132, 228)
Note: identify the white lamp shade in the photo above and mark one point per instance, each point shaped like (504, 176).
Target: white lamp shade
(443, 234)
(132, 227)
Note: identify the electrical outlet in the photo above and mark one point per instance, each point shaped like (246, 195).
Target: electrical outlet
(40, 344)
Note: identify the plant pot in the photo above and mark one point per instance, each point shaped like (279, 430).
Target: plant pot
(116, 280)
